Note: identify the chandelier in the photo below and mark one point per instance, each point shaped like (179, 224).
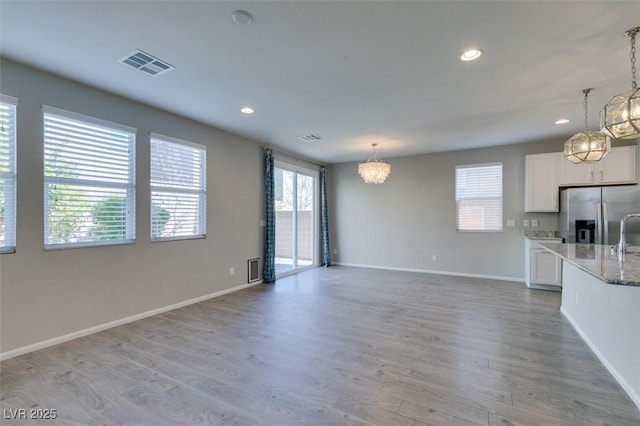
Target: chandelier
(587, 146)
(374, 170)
(620, 118)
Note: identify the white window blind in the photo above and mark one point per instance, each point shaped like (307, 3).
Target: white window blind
(89, 181)
(7, 174)
(479, 197)
(178, 189)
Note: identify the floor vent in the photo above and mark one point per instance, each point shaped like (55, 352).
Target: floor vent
(144, 62)
(253, 270)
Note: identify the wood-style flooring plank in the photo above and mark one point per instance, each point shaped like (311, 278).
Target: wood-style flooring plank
(331, 346)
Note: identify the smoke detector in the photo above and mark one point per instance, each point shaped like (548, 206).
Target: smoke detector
(145, 62)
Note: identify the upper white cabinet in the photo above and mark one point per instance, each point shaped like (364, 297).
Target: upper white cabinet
(541, 182)
(576, 174)
(619, 166)
(546, 173)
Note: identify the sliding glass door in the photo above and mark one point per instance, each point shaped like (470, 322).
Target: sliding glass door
(296, 218)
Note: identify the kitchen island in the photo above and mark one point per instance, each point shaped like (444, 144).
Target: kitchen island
(601, 300)
(598, 261)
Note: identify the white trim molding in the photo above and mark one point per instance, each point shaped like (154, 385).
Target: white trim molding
(111, 324)
(429, 271)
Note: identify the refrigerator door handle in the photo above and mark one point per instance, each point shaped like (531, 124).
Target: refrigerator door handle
(599, 223)
(605, 224)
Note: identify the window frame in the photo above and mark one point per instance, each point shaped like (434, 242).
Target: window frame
(129, 187)
(500, 228)
(11, 175)
(202, 191)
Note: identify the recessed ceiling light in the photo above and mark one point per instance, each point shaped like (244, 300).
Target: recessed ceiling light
(242, 17)
(246, 110)
(471, 54)
(562, 121)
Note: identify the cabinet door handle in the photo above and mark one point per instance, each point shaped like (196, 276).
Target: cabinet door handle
(601, 175)
(592, 176)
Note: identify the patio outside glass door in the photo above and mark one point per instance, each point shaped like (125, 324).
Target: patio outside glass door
(295, 198)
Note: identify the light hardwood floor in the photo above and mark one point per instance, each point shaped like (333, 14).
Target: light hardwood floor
(332, 346)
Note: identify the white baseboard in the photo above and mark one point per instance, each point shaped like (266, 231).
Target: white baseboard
(428, 271)
(635, 397)
(85, 332)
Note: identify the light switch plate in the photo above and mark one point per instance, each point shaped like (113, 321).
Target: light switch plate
(534, 223)
(511, 223)
(525, 223)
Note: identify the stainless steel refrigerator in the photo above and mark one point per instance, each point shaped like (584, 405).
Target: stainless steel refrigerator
(592, 215)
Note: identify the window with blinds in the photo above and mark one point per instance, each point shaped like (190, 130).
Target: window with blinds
(178, 189)
(89, 181)
(479, 197)
(7, 174)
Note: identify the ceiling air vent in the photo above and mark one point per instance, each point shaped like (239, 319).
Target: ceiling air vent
(144, 62)
(309, 138)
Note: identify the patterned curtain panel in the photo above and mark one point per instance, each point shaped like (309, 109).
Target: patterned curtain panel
(269, 266)
(324, 220)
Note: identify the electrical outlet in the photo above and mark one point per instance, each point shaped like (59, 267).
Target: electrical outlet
(525, 223)
(534, 223)
(232, 271)
(335, 251)
(511, 223)
(434, 257)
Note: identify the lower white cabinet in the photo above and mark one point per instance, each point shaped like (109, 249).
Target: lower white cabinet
(543, 268)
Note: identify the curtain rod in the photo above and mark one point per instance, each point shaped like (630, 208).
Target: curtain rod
(265, 147)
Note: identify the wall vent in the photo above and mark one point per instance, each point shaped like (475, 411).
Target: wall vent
(310, 138)
(147, 63)
(253, 270)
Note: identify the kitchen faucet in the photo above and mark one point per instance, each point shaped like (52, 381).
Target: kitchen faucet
(622, 245)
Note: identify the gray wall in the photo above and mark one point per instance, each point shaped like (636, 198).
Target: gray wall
(411, 216)
(46, 294)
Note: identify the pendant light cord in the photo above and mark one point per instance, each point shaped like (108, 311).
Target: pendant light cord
(632, 33)
(374, 157)
(584, 104)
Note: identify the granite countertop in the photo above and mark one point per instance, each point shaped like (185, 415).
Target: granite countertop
(598, 261)
(539, 235)
(550, 239)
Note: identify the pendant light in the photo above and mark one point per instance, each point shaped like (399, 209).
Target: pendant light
(620, 118)
(374, 170)
(587, 146)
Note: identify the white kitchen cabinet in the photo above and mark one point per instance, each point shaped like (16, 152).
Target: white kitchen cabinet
(570, 174)
(619, 166)
(543, 268)
(541, 182)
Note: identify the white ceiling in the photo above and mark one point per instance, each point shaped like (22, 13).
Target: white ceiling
(352, 72)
